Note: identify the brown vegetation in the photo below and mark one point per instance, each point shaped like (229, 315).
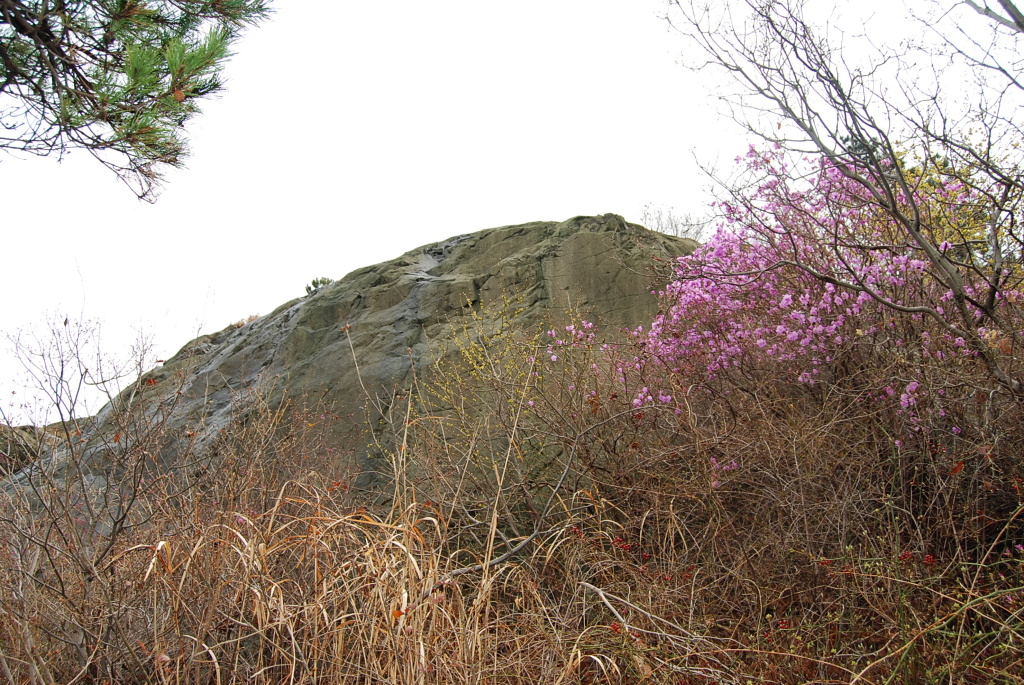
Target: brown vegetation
(536, 532)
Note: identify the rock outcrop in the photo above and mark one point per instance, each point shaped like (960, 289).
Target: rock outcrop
(18, 446)
(393, 319)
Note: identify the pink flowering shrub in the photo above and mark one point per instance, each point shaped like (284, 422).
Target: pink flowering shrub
(812, 283)
(809, 352)
(793, 275)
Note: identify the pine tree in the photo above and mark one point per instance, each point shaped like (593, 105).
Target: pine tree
(116, 77)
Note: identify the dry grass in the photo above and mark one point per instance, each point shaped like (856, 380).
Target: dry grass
(536, 534)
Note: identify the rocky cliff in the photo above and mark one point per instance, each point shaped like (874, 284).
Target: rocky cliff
(366, 334)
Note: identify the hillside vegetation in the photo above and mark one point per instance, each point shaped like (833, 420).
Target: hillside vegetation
(805, 468)
(705, 500)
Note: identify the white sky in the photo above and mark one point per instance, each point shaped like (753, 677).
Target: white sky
(349, 133)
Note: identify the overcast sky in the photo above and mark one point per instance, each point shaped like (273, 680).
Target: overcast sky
(349, 133)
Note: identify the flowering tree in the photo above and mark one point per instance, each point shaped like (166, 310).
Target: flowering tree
(796, 269)
(802, 278)
(929, 162)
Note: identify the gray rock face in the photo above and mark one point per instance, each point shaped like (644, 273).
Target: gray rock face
(400, 313)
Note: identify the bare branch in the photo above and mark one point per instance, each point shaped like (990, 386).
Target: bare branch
(1016, 21)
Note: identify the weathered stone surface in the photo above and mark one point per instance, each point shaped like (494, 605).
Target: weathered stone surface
(400, 313)
(18, 446)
